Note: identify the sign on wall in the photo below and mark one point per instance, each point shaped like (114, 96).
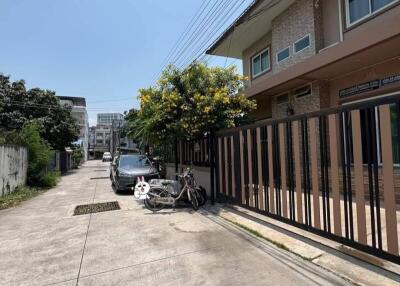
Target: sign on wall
(368, 86)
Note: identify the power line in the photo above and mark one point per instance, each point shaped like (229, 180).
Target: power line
(212, 16)
(216, 29)
(199, 36)
(184, 33)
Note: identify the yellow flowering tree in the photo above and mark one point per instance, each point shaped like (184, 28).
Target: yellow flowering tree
(189, 103)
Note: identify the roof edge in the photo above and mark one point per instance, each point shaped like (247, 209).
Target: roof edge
(239, 20)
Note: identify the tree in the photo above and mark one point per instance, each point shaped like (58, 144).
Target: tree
(19, 106)
(189, 103)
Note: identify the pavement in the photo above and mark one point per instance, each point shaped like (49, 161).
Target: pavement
(42, 243)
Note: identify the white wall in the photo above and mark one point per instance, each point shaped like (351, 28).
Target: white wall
(201, 174)
(13, 167)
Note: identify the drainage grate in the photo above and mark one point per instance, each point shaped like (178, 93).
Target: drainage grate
(102, 170)
(99, 178)
(96, 208)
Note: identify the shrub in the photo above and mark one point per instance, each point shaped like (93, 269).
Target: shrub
(49, 179)
(77, 157)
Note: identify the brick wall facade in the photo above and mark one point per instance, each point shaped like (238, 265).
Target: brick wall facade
(300, 19)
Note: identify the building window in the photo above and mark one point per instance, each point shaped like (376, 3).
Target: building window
(301, 44)
(283, 55)
(302, 91)
(358, 10)
(260, 63)
(283, 98)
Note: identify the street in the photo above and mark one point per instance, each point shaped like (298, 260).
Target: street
(42, 243)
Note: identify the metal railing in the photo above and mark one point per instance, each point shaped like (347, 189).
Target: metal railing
(333, 172)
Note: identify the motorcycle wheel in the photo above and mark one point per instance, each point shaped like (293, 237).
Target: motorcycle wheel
(193, 199)
(149, 201)
(201, 195)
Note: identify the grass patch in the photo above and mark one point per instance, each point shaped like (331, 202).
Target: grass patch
(276, 243)
(258, 234)
(21, 194)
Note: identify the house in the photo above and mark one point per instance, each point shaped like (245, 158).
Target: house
(79, 112)
(305, 55)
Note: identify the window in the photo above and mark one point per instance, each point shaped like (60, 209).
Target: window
(302, 44)
(260, 63)
(302, 91)
(284, 98)
(360, 9)
(283, 55)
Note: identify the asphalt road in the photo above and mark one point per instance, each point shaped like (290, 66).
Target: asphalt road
(42, 243)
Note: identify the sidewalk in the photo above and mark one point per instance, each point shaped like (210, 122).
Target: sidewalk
(355, 266)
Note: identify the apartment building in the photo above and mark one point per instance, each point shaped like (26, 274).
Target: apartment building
(304, 55)
(79, 112)
(107, 118)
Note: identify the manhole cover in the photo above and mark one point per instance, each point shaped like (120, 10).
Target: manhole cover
(96, 208)
(99, 178)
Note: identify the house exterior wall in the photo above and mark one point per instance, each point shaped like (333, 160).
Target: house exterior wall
(255, 48)
(296, 22)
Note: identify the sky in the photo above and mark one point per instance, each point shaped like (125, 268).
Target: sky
(102, 50)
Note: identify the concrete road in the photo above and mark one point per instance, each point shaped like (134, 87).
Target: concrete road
(42, 243)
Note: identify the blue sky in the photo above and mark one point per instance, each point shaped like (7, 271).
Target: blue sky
(99, 49)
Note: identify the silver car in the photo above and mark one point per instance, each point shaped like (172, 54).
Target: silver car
(125, 169)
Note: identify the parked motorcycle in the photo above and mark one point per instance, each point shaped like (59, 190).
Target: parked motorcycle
(170, 192)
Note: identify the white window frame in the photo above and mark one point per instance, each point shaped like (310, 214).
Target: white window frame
(259, 55)
(348, 24)
(302, 38)
(285, 59)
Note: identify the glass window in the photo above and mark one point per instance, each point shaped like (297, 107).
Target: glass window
(260, 63)
(282, 55)
(302, 44)
(358, 9)
(133, 161)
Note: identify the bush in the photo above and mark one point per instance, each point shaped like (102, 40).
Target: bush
(49, 179)
(39, 154)
(77, 157)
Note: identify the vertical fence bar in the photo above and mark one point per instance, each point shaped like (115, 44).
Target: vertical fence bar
(220, 170)
(233, 167)
(277, 173)
(359, 176)
(226, 162)
(388, 180)
(314, 172)
(243, 191)
(260, 171)
(211, 161)
(265, 166)
(373, 112)
(290, 170)
(250, 168)
(271, 171)
(297, 168)
(333, 149)
(283, 169)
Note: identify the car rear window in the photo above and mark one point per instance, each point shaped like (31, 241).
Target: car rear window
(134, 161)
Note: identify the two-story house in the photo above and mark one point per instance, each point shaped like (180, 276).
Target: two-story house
(303, 55)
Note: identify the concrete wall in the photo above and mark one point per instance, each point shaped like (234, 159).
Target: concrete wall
(201, 174)
(13, 167)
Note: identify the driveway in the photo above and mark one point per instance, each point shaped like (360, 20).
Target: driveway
(42, 243)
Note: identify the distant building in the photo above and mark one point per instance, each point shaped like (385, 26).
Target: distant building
(118, 139)
(107, 118)
(79, 112)
(102, 138)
